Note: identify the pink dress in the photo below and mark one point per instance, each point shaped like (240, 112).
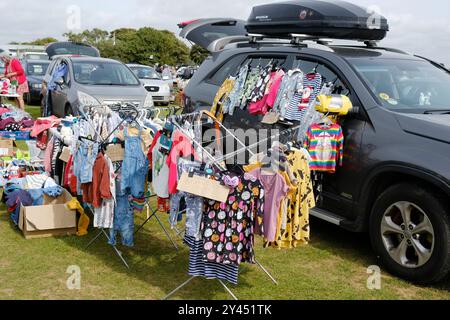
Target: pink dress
(266, 103)
(276, 189)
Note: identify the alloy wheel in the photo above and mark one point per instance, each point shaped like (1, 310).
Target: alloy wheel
(408, 234)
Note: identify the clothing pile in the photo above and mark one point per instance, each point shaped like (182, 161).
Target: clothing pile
(14, 120)
(26, 185)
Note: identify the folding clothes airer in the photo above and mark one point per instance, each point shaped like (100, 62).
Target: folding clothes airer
(102, 142)
(149, 208)
(217, 163)
(130, 113)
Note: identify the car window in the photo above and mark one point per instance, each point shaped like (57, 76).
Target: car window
(37, 68)
(232, 66)
(265, 60)
(228, 68)
(328, 75)
(145, 73)
(104, 73)
(415, 86)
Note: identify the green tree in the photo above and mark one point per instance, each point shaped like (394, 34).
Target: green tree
(92, 37)
(138, 46)
(42, 41)
(198, 54)
(37, 42)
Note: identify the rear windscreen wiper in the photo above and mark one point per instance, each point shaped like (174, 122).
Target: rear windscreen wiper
(437, 112)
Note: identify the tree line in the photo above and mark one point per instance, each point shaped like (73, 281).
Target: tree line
(144, 46)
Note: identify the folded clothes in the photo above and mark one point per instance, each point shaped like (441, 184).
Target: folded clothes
(37, 195)
(43, 124)
(4, 110)
(27, 123)
(5, 122)
(19, 197)
(12, 127)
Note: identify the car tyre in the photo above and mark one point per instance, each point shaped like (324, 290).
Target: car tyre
(410, 232)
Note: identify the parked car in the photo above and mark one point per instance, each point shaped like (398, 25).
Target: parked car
(77, 80)
(159, 89)
(395, 180)
(34, 56)
(35, 71)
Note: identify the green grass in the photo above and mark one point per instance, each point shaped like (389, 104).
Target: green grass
(333, 266)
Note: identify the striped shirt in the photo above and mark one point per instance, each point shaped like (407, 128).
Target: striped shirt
(326, 147)
(299, 104)
(208, 270)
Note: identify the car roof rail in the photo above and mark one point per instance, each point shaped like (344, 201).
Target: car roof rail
(372, 47)
(294, 39)
(252, 38)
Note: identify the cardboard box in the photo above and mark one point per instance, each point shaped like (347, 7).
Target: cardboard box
(49, 220)
(6, 148)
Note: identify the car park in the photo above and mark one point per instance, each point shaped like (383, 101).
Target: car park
(77, 77)
(35, 71)
(395, 180)
(153, 83)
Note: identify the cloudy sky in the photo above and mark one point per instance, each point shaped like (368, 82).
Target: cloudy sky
(417, 26)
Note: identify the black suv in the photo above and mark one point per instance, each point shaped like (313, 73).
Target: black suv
(395, 180)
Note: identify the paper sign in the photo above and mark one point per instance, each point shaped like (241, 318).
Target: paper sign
(115, 152)
(203, 187)
(65, 155)
(6, 144)
(4, 152)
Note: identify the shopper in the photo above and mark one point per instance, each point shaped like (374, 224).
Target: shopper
(14, 71)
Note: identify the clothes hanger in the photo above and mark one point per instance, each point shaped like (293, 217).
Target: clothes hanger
(314, 70)
(325, 122)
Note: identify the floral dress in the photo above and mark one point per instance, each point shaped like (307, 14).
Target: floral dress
(228, 228)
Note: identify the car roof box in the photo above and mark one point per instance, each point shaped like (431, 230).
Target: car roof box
(322, 19)
(71, 48)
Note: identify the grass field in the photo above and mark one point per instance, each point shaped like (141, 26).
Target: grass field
(333, 266)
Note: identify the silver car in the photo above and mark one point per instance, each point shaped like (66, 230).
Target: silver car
(153, 83)
(72, 81)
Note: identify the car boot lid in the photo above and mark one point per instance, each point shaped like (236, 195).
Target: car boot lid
(69, 48)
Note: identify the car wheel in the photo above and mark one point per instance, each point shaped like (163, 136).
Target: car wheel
(410, 232)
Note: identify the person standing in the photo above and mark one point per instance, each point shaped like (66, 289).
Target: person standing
(14, 71)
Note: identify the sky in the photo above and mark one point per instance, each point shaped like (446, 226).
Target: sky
(417, 26)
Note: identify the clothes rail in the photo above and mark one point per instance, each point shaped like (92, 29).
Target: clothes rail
(131, 114)
(218, 165)
(255, 145)
(214, 120)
